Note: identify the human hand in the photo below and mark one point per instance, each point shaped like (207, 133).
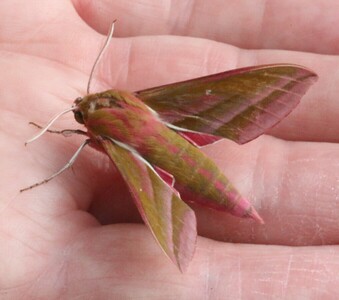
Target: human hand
(52, 243)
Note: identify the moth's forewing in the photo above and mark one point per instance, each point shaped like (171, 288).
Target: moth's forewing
(171, 221)
(239, 105)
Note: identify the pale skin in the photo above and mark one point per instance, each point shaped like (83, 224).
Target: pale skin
(52, 242)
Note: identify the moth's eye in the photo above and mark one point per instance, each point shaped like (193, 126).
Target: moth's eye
(78, 116)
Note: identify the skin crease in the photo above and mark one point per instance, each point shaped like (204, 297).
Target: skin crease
(52, 243)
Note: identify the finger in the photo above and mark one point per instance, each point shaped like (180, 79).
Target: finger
(293, 185)
(137, 64)
(293, 25)
(131, 263)
(46, 31)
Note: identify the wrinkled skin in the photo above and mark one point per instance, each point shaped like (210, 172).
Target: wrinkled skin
(52, 242)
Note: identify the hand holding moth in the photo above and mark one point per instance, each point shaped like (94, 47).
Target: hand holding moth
(146, 253)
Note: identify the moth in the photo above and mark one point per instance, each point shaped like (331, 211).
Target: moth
(153, 138)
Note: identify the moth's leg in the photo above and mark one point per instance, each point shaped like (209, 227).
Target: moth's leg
(64, 168)
(65, 132)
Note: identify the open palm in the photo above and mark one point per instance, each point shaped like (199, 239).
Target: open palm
(77, 236)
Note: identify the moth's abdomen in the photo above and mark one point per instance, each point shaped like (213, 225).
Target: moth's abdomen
(197, 177)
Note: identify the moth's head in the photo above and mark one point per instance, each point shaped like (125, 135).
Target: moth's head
(113, 99)
(83, 106)
(78, 115)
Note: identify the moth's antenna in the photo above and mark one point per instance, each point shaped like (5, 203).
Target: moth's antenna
(49, 125)
(102, 51)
